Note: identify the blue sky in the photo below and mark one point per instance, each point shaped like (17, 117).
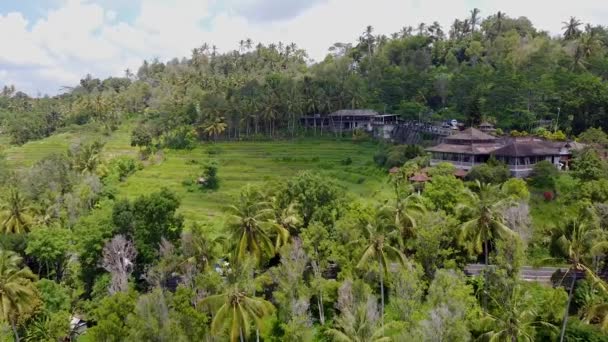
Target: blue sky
(53, 43)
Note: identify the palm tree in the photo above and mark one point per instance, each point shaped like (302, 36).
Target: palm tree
(17, 290)
(379, 235)
(238, 311)
(357, 326)
(286, 217)
(516, 319)
(474, 18)
(487, 221)
(216, 127)
(200, 247)
(597, 313)
(405, 209)
(15, 214)
(368, 39)
(571, 29)
(576, 242)
(249, 218)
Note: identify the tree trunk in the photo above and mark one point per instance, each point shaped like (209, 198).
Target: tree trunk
(381, 292)
(241, 334)
(315, 268)
(570, 292)
(15, 332)
(485, 274)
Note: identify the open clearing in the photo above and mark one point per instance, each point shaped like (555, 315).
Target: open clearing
(258, 163)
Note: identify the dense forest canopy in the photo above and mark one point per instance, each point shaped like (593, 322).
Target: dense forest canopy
(498, 68)
(324, 246)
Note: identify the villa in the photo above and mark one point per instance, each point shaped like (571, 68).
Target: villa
(473, 147)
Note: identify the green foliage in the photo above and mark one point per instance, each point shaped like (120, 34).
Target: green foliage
(544, 175)
(315, 197)
(491, 172)
(85, 157)
(595, 190)
(517, 189)
(442, 169)
(149, 219)
(122, 167)
(397, 155)
(111, 317)
(141, 137)
(587, 166)
(92, 232)
(50, 247)
(182, 138)
(193, 322)
(594, 135)
(56, 297)
(209, 174)
(445, 192)
(578, 331)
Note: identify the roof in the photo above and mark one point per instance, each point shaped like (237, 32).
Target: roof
(485, 124)
(354, 112)
(471, 135)
(472, 148)
(460, 173)
(527, 148)
(393, 169)
(420, 177)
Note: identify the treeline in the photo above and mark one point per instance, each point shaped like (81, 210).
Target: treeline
(497, 68)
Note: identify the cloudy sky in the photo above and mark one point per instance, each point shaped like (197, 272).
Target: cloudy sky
(47, 44)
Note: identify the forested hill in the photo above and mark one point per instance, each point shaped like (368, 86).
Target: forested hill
(497, 68)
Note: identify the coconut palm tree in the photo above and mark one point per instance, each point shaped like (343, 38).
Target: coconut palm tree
(379, 236)
(597, 313)
(474, 18)
(286, 216)
(576, 242)
(238, 311)
(406, 207)
(516, 318)
(248, 229)
(358, 326)
(215, 127)
(17, 291)
(15, 214)
(486, 221)
(571, 29)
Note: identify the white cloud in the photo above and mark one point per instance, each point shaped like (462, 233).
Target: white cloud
(82, 36)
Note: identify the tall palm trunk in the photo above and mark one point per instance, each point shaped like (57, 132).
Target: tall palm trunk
(15, 332)
(570, 293)
(315, 267)
(381, 292)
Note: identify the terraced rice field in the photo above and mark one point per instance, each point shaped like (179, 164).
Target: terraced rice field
(258, 163)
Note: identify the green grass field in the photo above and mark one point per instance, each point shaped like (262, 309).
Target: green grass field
(258, 163)
(28, 154)
(240, 163)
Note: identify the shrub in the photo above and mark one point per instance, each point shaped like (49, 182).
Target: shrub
(182, 138)
(380, 157)
(209, 179)
(213, 150)
(493, 172)
(123, 167)
(544, 175)
(346, 161)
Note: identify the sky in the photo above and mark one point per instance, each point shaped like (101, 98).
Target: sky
(49, 44)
